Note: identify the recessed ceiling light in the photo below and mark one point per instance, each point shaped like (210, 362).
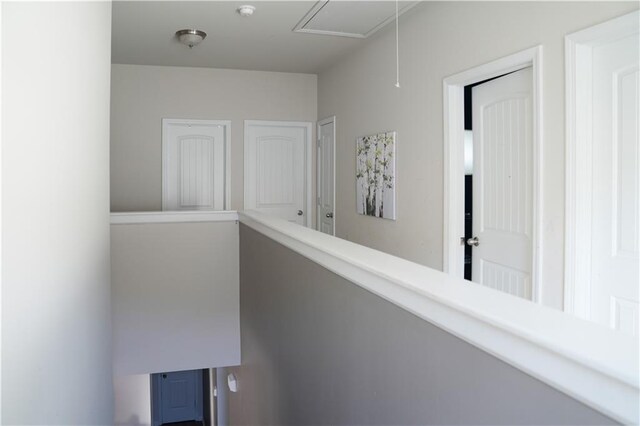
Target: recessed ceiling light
(246, 10)
(190, 37)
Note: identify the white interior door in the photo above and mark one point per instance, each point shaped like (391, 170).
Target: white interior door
(194, 157)
(180, 396)
(615, 265)
(326, 176)
(276, 169)
(502, 183)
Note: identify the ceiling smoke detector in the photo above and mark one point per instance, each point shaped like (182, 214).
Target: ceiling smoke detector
(246, 10)
(190, 37)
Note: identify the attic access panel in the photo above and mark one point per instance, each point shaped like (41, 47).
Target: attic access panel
(356, 19)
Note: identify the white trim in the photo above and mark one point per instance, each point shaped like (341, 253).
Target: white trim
(308, 126)
(588, 362)
(1, 183)
(327, 120)
(578, 69)
(453, 111)
(173, 217)
(226, 124)
(300, 26)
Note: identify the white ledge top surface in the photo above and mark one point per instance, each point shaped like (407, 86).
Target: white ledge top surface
(586, 361)
(128, 218)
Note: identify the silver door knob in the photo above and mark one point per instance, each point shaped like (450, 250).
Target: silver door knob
(300, 212)
(329, 215)
(473, 242)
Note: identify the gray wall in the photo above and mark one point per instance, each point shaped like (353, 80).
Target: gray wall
(439, 39)
(141, 96)
(175, 296)
(317, 349)
(56, 326)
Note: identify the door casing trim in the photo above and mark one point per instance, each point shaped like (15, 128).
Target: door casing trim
(453, 191)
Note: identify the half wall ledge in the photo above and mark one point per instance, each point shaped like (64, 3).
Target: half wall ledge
(589, 362)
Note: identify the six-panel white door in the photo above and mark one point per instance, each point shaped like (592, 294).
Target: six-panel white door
(326, 177)
(502, 183)
(615, 233)
(194, 175)
(276, 169)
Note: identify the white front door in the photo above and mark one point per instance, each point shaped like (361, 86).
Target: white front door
(503, 183)
(615, 233)
(194, 157)
(326, 177)
(276, 169)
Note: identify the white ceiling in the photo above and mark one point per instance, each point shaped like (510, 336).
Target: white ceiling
(143, 34)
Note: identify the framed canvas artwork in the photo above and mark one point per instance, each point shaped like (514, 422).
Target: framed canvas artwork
(375, 175)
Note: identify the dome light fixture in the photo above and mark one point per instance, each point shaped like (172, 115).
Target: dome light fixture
(190, 37)
(246, 10)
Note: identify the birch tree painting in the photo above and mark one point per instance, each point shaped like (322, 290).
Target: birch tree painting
(375, 175)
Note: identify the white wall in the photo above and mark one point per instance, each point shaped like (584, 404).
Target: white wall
(132, 400)
(1, 91)
(141, 96)
(439, 39)
(56, 328)
(175, 296)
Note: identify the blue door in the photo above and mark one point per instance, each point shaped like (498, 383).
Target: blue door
(180, 396)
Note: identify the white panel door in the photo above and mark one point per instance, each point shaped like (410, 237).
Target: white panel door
(193, 164)
(502, 183)
(276, 169)
(326, 176)
(180, 396)
(615, 265)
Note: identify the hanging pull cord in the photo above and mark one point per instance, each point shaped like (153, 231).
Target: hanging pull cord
(397, 51)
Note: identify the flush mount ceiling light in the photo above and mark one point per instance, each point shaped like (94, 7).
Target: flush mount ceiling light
(246, 10)
(190, 37)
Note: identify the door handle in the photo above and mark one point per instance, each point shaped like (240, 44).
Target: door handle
(473, 242)
(329, 215)
(300, 212)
